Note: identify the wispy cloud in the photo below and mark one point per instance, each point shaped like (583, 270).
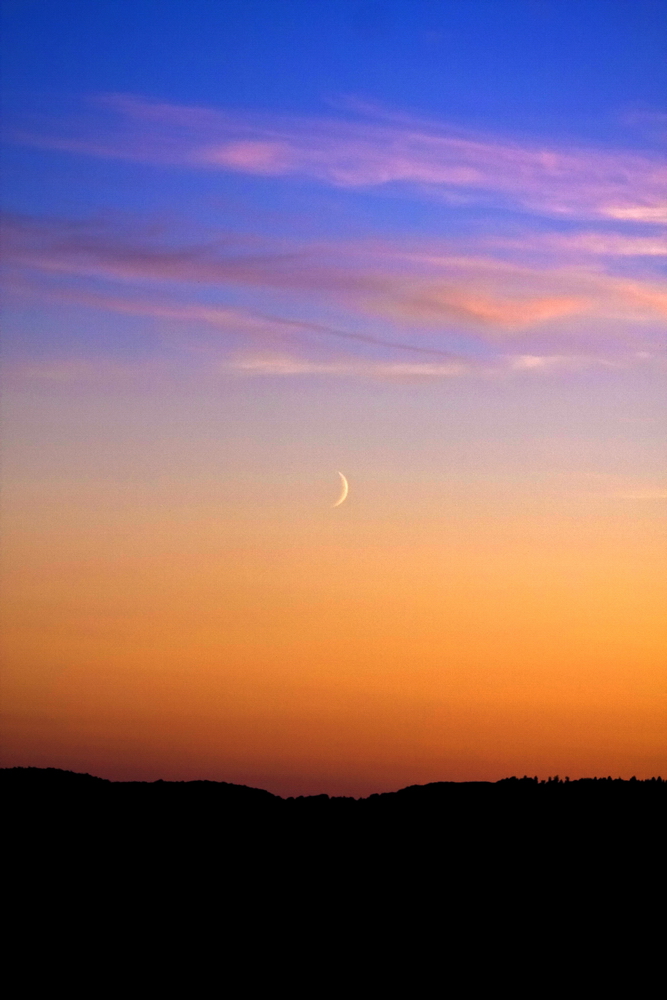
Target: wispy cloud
(427, 283)
(208, 369)
(286, 365)
(586, 244)
(427, 157)
(452, 308)
(414, 371)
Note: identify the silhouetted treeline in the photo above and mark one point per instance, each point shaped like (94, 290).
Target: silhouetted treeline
(37, 797)
(33, 785)
(203, 855)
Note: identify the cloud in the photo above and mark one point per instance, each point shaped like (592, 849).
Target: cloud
(428, 158)
(207, 369)
(289, 366)
(637, 213)
(555, 362)
(434, 305)
(244, 323)
(425, 283)
(101, 371)
(654, 298)
(585, 244)
(253, 157)
(383, 298)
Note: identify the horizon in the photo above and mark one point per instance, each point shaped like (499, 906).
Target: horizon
(508, 780)
(334, 390)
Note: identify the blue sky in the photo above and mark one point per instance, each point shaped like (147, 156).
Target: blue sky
(570, 65)
(573, 70)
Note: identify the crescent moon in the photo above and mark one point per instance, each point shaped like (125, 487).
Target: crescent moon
(346, 490)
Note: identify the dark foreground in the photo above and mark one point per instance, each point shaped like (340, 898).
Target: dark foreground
(37, 782)
(541, 866)
(590, 817)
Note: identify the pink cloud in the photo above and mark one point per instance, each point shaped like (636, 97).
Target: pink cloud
(637, 213)
(434, 306)
(287, 365)
(252, 157)
(421, 282)
(654, 298)
(423, 298)
(585, 244)
(207, 369)
(430, 158)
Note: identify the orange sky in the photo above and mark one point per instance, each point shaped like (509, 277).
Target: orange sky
(443, 623)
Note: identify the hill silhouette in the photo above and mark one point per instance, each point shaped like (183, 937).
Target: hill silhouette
(51, 780)
(517, 834)
(34, 788)
(466, 812)
(525, 859)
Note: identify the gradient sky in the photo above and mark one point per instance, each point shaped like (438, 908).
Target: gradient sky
(249, 243)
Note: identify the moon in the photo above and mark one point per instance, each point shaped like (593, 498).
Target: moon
(346, 490)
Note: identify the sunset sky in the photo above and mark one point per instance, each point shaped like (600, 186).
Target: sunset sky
(249, 244)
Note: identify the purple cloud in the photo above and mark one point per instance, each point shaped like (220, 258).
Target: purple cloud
(429, 158)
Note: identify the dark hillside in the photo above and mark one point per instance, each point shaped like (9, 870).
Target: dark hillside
(49, 801)
(471, 851)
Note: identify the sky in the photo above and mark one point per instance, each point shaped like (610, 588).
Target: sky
(250, 245)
